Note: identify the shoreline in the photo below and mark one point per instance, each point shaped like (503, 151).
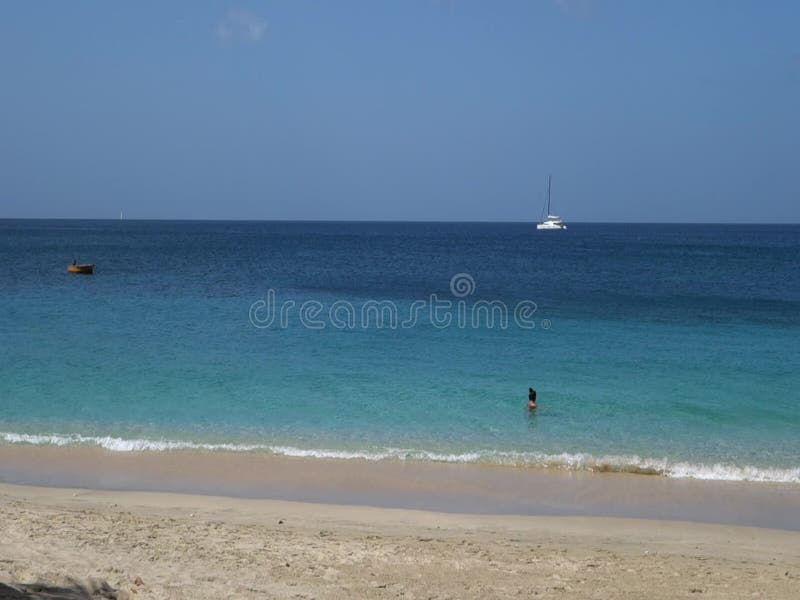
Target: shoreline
(456, 488)
(578, 461)
(191, 546)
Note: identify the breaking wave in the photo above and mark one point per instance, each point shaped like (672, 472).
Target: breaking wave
(565, 461)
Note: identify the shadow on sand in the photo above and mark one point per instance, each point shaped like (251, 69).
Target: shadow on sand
(70, 590)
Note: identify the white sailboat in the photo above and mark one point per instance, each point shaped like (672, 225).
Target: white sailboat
(552, 221)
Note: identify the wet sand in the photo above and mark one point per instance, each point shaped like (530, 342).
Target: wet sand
(460, 488)
(204, 547)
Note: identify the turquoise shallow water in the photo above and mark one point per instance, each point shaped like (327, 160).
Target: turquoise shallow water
(654, 348)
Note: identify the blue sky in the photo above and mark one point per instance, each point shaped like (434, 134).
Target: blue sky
(413, 110)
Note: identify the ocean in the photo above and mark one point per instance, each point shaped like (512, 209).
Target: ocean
(657, 349)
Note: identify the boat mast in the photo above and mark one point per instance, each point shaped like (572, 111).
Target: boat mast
(549, 180)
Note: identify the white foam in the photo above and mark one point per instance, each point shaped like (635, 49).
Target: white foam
(120, 445)
(564, 461)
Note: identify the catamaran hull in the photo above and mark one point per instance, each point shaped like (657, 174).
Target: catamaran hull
(550, 226)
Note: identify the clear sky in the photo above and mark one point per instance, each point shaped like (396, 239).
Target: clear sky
(415, 110)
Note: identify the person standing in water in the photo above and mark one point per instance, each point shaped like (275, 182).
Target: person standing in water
(531, 398)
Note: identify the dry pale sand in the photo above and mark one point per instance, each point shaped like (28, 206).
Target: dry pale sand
(185, 546)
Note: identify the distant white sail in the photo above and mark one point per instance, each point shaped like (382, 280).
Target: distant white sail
(552, 221)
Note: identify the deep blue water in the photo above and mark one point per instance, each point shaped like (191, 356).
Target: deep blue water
(671, 347)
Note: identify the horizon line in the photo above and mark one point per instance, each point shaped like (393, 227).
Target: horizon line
(385, 221)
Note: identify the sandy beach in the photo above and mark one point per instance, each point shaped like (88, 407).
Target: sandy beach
(419, 485)
(192, 546)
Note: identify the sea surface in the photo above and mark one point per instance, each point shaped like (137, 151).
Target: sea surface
(667, 349)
